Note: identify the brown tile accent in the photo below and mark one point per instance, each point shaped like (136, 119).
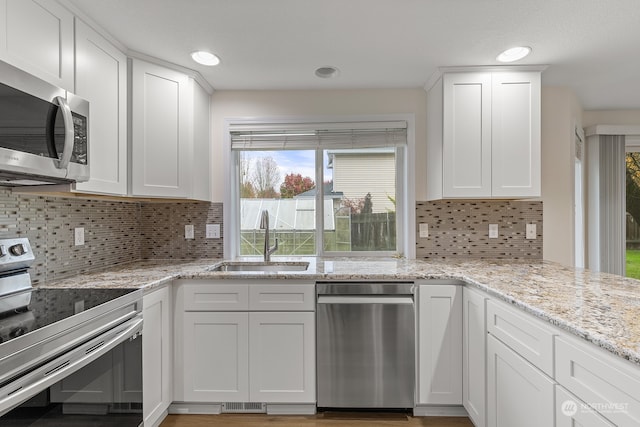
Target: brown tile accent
(459, 229)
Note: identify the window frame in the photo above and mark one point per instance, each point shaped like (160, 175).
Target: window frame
(405, 192)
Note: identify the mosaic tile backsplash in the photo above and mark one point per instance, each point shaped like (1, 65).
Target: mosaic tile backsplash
(120, 231)
(115, 231)
(459, 229)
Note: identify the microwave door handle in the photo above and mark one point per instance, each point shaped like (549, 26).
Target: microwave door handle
(69, 138)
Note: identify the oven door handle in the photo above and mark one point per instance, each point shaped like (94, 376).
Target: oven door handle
(24, 387)
(366, 299)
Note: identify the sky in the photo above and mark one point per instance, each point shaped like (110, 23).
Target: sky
(296, 161)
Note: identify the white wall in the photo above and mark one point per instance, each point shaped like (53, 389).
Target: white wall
(611, 117)
(561, 112)
(296, 103)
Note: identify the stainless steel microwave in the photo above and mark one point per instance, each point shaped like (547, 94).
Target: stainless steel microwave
(44, 131)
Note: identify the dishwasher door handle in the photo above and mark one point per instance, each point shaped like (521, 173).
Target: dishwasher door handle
(365, 299)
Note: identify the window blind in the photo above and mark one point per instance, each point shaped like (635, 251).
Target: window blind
(309, 136)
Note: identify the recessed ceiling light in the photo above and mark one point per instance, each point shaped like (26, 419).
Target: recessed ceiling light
(327, 72)
(205, 58)
(514, 54)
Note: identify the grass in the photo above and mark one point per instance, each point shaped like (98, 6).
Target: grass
(633, 263)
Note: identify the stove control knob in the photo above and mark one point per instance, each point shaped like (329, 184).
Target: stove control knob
(3, 251)
(17, 249)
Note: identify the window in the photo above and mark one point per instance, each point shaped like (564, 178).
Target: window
(357, 208)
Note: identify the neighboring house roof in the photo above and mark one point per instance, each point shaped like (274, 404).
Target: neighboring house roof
(327, 189)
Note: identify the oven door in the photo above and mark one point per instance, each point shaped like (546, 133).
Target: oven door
(98, 383)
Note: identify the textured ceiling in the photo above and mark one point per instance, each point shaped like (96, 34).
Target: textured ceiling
(591, 46)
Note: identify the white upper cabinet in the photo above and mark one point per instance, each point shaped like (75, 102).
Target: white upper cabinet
(37, 36)
(101, 78)
(515, 134)
(466, 146)
(483, 135)
(201, 169)
(160, 148)
(169, 134)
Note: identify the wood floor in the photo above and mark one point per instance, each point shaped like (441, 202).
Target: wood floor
(324, 419)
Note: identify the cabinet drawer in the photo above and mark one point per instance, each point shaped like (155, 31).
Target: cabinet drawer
(527, 336)
(286, 297)
(610, 384)
(571, 412)
(216, 297)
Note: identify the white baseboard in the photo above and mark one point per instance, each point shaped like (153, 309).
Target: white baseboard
(291, 409)
(216, 408)
(195, 408)
(439, 411)
(157, 421)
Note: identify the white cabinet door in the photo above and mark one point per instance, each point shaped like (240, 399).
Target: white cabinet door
(474, 368)
(466, 135)
(157, 355)
(101, 78)
(518, 394)
(37, 36)
(439, 344)
(515, 130)
(216, 356)
(161, 148)
(201, 167)
(572, 412)
(282, 359)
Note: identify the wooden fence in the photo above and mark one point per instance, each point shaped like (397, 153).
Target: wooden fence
(373, 231)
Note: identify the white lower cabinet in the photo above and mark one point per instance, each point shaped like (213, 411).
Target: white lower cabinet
(241, 355)
(282, 357)
(573, 412)
(157, 353)
(439, 345)
(518, 394)
(609, 384)
(474, 368)
(215, 356)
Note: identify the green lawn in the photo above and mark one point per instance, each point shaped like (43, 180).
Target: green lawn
(633, 263)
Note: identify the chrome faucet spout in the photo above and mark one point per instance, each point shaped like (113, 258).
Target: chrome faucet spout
(264, 225)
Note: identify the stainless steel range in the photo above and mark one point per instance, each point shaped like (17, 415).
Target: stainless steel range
(66, 354)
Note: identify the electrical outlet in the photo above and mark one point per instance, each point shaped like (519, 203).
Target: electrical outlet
(212, 231)
(188, 231)
(493, 231)
(78, 236)
(531, 232)
(424, 230)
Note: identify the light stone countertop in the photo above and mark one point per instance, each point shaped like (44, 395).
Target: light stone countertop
(598, 307)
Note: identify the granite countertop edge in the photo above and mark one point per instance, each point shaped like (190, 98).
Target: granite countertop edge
(145, 276)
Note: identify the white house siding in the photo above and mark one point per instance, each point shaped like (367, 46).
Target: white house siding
(355, 175)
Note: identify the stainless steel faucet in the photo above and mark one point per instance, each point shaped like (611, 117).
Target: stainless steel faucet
(264, 225)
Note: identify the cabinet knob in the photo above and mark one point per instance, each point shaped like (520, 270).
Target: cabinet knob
(17, 249)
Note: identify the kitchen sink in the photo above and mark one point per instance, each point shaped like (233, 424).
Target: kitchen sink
(262, 266)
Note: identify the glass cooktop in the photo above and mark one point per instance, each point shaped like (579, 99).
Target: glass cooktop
(48, 306)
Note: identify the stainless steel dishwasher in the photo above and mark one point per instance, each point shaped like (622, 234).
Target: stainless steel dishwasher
(365, 345)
